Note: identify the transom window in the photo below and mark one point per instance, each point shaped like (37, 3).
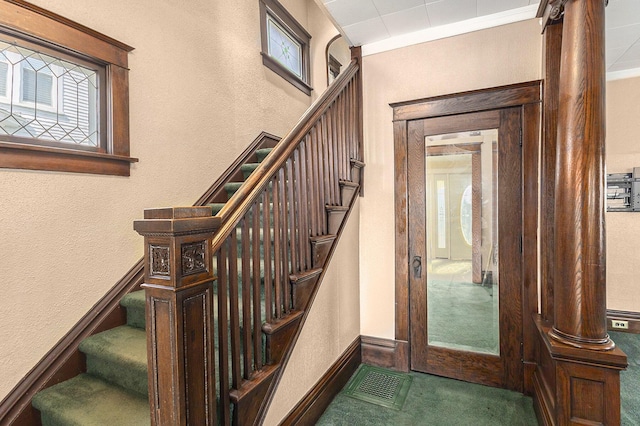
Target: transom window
(285, 45)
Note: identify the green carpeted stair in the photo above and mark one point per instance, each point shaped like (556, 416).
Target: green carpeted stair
(114, 389)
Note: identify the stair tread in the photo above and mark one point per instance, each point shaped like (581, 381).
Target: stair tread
(119, 356)
(86, 400)
(216, 207)
(135, 303)
(262, 153)
(124, 343)
(249, 166)
(231, 185)
(134, 299)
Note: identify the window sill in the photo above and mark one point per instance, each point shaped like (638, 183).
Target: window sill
(34, 157)
(279, 69)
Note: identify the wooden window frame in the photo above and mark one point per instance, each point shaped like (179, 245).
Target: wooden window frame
(23, 19)
(280, 15)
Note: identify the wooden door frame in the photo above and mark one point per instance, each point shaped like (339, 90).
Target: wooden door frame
(528, 96)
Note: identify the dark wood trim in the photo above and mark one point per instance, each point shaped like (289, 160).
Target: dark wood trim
(64, 360)
(385, 353)
(316, 401)
(23, 20)
(530, 149)
(465, 102)
(279, 13)
(70, 23)
(32, 20)
(35, 157)
(401, 232)
(632, 317)
(552, 41)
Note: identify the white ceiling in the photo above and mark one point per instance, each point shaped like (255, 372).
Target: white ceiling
(379, 25)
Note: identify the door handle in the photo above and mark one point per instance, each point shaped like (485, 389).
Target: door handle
(417, 266)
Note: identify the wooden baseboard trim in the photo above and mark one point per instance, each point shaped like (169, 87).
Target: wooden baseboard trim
(311, 407)
(632, 318)
(541, 403)
(385, 353)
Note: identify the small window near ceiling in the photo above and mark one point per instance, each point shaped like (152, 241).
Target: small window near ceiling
(285, 45)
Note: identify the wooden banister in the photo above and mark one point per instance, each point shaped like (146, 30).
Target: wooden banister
(269, 242)
(240, 202)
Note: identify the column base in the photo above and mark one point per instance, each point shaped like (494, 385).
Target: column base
(604, 344)
(575, 385)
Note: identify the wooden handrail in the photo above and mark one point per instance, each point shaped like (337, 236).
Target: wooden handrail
(270, 242)
(241, 201)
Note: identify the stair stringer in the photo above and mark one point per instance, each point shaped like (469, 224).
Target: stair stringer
(344, 243)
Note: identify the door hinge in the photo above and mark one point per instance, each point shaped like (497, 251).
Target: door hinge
(521, 351)
(521, 243)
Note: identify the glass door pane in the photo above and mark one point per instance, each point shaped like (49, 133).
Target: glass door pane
(461, 241)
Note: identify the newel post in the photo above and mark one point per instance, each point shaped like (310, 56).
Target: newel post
(178, 283)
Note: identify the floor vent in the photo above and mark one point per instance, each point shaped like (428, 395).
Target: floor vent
(379, 386)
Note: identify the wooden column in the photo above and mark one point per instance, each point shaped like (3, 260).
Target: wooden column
(178, 280)
(580, 294)
(577, 377)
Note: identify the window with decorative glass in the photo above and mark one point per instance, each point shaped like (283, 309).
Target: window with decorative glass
(63, 94)
(285, 45)
(49, 99)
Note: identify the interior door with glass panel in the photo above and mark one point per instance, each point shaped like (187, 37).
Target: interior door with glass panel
(465, 224)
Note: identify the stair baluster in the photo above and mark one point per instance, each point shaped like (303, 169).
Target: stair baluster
(273, 237)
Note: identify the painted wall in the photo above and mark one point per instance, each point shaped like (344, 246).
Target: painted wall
(199, 95)
(494, 57)
(623, 229)
(332, 325)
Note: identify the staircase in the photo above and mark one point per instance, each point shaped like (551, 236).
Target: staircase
(114, 389)
(221, 322)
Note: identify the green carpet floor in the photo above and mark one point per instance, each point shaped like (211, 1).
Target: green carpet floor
(630, 378)
(435, 400)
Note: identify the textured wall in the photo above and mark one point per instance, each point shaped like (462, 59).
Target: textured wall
(623, 229)
(488, 58)
(199, 95)
(332, 325)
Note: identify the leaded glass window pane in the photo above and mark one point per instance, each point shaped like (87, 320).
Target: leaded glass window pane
(47, 98)
(284, 48)
(4, 74)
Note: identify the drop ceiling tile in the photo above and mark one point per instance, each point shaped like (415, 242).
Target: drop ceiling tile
(620, 13)
(347, 12)
(624, 65)
(622, 37)
(612, 55)
(406, 21)
(488, 7)
(632, 54)
(367, 31)
(449, 11)
(386, 7)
